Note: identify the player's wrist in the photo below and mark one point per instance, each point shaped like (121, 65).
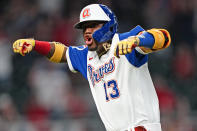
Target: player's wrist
(134, 39)
(33, 43)
(42, 47)
(146, 40)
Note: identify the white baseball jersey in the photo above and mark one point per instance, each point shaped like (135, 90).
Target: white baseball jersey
(121, 87)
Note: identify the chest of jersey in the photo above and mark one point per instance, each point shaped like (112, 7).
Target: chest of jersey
(105, 75)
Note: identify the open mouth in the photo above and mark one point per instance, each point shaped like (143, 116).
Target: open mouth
(88, 41)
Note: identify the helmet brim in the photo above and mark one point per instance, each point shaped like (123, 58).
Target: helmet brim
(79, 25)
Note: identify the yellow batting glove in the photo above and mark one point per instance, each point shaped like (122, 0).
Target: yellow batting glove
(126, 46)
(23, 46)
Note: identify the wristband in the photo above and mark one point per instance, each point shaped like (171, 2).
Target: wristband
(42, 47)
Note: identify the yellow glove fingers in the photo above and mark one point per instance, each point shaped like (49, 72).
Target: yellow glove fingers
(130, 47)
(22, 48)
(18, 47)
(116, 52)
(120, 46)
(15, 50)
(15, 47)
(125, 46)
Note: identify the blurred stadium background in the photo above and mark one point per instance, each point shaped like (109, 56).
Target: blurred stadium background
(36, 95)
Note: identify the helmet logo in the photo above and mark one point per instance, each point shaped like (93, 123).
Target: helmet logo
(86, 13)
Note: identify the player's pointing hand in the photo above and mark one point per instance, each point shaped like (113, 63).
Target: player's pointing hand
(126, 46)
(23, 46)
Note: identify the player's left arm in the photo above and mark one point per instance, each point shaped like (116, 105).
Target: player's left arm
(147, 41)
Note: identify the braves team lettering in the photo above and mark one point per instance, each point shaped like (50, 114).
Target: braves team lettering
(98, 74)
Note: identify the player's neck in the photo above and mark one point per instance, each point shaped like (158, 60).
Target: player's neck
(103, 49)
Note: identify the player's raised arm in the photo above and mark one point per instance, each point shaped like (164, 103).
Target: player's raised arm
(147, 41)
(54, 51)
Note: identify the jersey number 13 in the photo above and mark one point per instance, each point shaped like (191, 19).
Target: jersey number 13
(111, 90)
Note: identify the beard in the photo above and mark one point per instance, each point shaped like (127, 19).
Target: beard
(95, 48)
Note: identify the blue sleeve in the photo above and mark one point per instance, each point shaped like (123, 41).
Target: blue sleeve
(135, 58)
(146, 40)
(132, 32)
(77, 58)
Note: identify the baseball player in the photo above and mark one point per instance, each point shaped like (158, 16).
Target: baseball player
(115, 65)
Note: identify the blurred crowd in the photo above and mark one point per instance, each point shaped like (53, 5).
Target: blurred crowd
(36, 95)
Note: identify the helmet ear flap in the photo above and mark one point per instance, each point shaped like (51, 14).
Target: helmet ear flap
(105, 33)
(108, 30)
